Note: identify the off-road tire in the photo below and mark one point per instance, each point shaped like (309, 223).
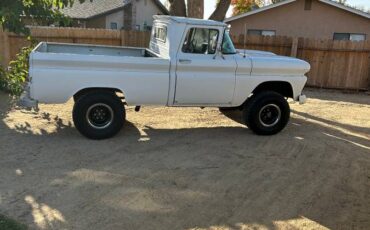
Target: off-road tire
(109, 104)
(256, 106)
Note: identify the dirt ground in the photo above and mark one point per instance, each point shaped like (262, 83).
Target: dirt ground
(190, 168)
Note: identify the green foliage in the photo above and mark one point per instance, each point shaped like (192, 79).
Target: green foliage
(13, 79)
(2, 78)
(243, 6)
(15, 13)
(9, 224)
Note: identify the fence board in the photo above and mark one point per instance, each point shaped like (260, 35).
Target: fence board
(334, 64)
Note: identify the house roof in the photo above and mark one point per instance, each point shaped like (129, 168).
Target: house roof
(329, 2)
(94, 8)
(192, 21)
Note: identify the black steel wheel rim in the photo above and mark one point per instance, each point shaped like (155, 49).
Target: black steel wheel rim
(270, 115)
(99, 115)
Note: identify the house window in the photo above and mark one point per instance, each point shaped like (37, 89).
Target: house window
(200, 41)
(357, 37)
(113, 25)
(349, 37)
(262, 32)
(159, 33)
(307, 4)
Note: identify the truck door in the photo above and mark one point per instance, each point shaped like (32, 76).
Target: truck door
(202, 77)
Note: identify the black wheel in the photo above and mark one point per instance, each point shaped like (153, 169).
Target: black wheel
(266, 113)
(75, 98)
(99, 115)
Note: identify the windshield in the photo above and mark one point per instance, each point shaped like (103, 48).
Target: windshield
(227, 44)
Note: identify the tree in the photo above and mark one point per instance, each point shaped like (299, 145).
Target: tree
(14, 13)
(221, 10)
(178, 8)
(243, 6)
(195, 9)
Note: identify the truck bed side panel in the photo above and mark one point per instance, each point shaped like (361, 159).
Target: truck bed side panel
(57, 77)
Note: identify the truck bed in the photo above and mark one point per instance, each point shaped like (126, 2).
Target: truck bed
(86, 49)
(58, 71)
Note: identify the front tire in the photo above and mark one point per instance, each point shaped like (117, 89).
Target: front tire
(99, 115)
(266, 113)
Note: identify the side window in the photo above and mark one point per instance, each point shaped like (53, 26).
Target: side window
(200, 41)
(159, 33)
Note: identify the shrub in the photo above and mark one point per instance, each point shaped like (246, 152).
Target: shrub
(2, 79)
(13, 79)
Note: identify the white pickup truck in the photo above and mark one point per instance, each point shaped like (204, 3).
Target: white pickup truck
(189, 62)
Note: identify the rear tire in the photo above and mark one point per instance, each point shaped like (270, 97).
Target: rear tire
(99, 114)
(266, 113)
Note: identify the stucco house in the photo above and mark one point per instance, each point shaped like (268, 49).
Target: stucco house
(321, 19)
(115, 14)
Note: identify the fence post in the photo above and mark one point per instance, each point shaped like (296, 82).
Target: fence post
(368, 74)
(294, 49)
(123, 38)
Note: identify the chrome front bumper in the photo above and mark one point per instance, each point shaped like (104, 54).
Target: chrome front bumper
(26, 101)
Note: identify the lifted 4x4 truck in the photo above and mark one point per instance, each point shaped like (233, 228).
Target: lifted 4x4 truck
(189, 63)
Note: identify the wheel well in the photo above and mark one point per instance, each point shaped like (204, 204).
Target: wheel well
(281, 87)
(89, 90)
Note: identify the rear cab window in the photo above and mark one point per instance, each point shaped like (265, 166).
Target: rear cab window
(159, 33)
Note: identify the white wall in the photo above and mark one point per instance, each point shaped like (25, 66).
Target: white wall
(116, 17)
(143, 12)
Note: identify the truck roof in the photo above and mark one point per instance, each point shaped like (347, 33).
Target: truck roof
(190, 21)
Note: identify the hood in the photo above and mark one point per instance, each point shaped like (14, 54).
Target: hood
(270, 64)
(255, 53)
(279, 65)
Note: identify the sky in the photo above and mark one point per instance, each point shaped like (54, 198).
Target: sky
(209, 6)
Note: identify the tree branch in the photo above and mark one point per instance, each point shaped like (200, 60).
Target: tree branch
(221, 10)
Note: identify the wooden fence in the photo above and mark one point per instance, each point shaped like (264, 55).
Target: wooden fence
(334, 64)
(10, 43)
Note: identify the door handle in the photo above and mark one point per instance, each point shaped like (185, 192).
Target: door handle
(185, 61)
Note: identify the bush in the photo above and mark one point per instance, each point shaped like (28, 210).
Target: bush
(2, 79)
(13, 79)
